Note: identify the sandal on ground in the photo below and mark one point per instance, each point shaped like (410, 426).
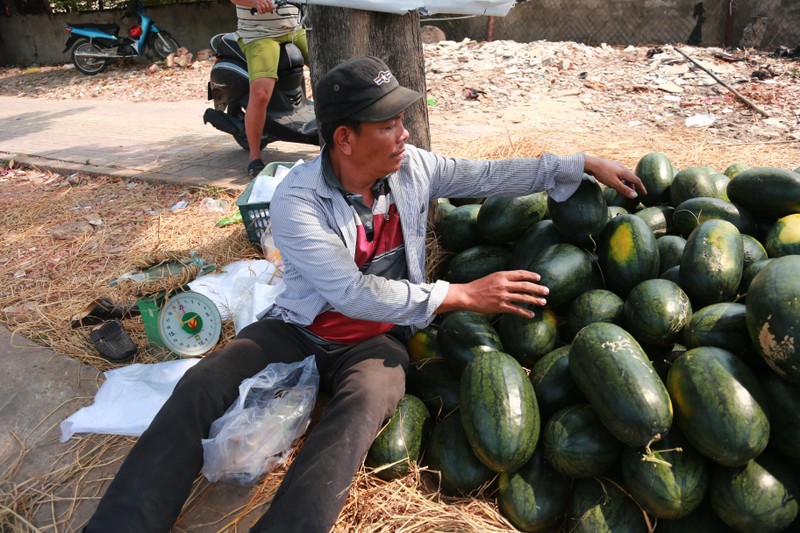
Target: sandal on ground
(100, 310)
(255, 167)
(113, 342)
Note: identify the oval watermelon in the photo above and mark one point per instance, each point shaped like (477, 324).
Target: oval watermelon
(658, 219)
(694, 211)
(783, 238)
(503, 219)
(656, 311)
(566, 270)
(458, 230)
(656, 173)
(476, 262)
(595, 305)
(499, 411)
(766, 192)
(674, 485)
(599, 505)
(773, 315)
(538, 237)
(528, 339)
(436, 384)
(719, 405)
(753, 251)
(401, 441)
(712, 263)
(757, 497)
(553, 383)
(581, 217)
(618, 379)
(450, 454)
(534, 498)
(670, 250)
(692, 182)
(463, 334)
(627, 254)
(577, 444)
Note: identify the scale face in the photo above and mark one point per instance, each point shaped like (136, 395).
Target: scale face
(189, 324)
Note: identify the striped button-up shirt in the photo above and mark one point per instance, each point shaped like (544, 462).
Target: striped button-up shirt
(313, 227)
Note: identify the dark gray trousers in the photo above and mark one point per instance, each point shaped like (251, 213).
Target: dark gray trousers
(364, 381)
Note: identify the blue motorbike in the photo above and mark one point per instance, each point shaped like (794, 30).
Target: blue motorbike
(95, 46)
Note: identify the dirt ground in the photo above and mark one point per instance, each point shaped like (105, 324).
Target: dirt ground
(485, 100)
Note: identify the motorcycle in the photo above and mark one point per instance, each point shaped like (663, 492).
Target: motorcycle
(94, 46)
(290, 114)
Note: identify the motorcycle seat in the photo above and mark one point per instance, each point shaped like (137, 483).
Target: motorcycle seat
(112, 29)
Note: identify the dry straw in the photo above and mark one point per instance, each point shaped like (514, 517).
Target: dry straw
(45, 279)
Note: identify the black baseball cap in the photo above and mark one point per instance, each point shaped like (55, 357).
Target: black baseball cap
(362, 89)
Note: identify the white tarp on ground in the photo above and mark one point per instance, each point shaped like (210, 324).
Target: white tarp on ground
(496, 8)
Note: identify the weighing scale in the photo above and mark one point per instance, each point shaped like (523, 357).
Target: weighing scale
(186, 323)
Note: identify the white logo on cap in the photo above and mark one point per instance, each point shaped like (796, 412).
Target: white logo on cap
(383, 77)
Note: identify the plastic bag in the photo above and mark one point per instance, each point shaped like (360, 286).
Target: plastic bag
(256, 433)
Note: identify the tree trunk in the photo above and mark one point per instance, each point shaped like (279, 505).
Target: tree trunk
(338, 34)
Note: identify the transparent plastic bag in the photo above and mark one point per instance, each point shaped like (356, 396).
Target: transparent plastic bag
(256, 433)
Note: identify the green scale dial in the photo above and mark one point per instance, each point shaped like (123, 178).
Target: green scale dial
(187, 323)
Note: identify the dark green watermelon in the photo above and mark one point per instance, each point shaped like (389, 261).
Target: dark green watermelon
(670, 250)
(600, 505)
(463, 334)
(566, 271)
(719, 405)
(757, 497)
(712, 263)
(618, 379)
(748, 275)
(595, 305)
(538, 237)
(499, 411)
(450, 454)
(504, 219)
(401, 441)
(656, 173)
(553, 383)
(627, 254)
(534, 498)
(694, 211)
(458, 230)
(753, 251)
(672, 274)
(528, 339)
(692, 182)
(581, 217)
(656, 311)
(773, 315)
(722, 325)
(783, 400)
(658, 218)
(766, 192)
(671, 486)
(476, 262)
(703, 520)
(577, 444)
(436, 384)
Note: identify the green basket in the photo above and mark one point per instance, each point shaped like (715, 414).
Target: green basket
(255, 216)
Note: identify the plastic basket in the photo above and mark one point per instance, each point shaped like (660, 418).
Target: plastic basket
(255, 216)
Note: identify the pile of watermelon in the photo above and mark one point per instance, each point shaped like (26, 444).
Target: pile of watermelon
(659, 387)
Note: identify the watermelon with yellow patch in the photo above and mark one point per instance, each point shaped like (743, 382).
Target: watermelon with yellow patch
(627, 253)
(784, 237)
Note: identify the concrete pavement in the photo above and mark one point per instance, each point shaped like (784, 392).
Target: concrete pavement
(159, 141)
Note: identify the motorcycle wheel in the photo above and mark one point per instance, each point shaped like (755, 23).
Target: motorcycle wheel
(88, 65)
(163, 44)
(242, 140)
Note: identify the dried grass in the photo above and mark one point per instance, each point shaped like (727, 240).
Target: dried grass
(44, 281)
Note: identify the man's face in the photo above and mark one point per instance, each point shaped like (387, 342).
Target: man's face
(379, 146)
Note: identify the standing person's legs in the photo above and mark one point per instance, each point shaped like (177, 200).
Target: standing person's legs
(154, 481)
(262, 68)
(366, 381)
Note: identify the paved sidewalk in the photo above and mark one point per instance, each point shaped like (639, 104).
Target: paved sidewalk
(161, 141)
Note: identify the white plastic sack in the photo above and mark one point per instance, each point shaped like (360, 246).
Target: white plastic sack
(256, 433)
(221, 286)
(128, 399)
(498, 8)
(251, 296)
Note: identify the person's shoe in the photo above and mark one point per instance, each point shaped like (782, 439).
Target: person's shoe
(100, 310)
(255, 167)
